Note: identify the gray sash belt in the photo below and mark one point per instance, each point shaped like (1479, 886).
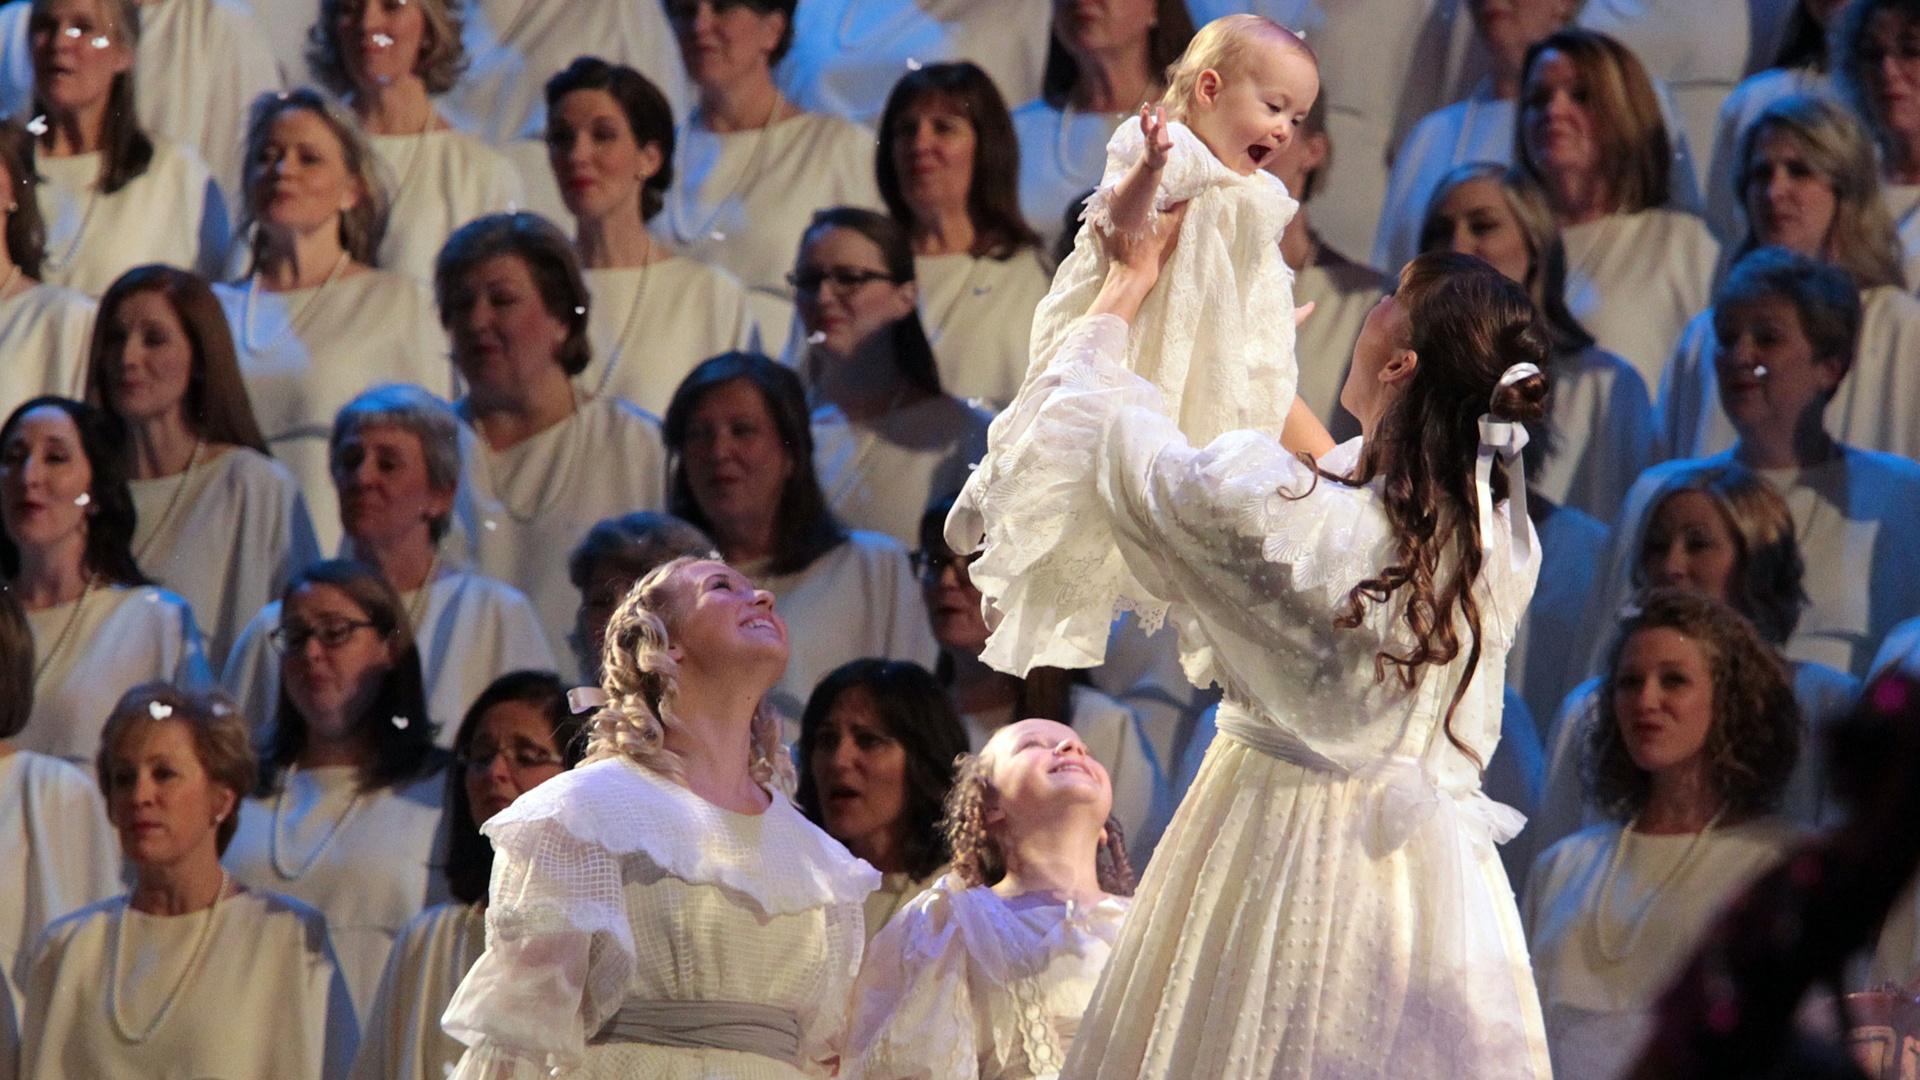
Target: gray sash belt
(707, 1025)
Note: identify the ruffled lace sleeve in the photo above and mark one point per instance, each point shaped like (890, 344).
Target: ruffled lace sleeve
(1191, 169)
(912, 1007)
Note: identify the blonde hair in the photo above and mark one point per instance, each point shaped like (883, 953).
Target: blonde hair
(641, 681)
(1223, 46)
(977, 857)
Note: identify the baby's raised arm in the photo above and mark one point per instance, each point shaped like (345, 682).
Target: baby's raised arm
(1132, 202)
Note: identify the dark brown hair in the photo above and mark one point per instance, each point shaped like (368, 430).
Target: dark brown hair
(111, 520)
(217, 408)
(1167, 37)
(16, 664)
(1635, 149)
(26, 229)
(912, 352)
(469, 855)
(649, 116)
(993, 201)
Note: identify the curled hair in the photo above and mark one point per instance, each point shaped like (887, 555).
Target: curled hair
(216, 407)
(469, 854)
(993, 203)
(641, 681)
(1222, 46)
(1468, 324)
(363, 225)
(977, 857)
(1862, 239)
(1635, 151)
(915, 711)
(111, 517)
(16, 664)
(912, 352)
(1167, 37)
(648, 114)
(126, 152)
(442, 59)
(26, 233)
(1754, 740)
(221, 740)
(1822, 295)
(549, 259)
(1766, 588)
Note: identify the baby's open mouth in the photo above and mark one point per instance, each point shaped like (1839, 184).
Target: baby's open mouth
(1259, 152)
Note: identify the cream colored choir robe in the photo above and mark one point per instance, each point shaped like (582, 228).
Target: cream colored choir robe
(1605, 433)
(173, 213)
(1600, 1011)
(978, 313)
(881, 474)
(401, 1038)
(439, 181)
(362, 330)
(265, 1000)
(848, 54)
(119, 638)
(227, 535)
(472, 630)
(60, 853)
(652, 325)
(1633, 280)
(368, 860)
(524, 509)
(741, 200)
(1548, 657)
(44, 334)
(1877, 406)
(1903, 203)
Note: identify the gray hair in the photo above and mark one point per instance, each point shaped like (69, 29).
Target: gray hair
(636, 543)
(413, 410)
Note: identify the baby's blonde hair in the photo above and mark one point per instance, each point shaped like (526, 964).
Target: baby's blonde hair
(641, 679)
(977, 857)
(1223, 45)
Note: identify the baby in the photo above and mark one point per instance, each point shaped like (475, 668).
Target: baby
(1216, 335)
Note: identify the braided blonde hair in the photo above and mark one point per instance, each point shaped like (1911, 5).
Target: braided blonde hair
(641, 679)
(977, 857)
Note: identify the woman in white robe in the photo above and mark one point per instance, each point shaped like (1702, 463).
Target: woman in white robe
(519, 733)
(204, 488)
(1809, 184)
(1692, 750)
(663, 910)
(396, 455)
(60, 853)
(112, 196)
(945, 167)
(388, 63)
(847, 55)
(655, 313)
(66, 530)
(43, 328)
(315, 321)
(1869, 33)
(878, 744)
(1298, 841)
(750, 166)
(1591, 135)
(888, 439)
(191, 973)
(349, 814)
(744, 473)
(987, 974)
(1101, 67)
(537, 450)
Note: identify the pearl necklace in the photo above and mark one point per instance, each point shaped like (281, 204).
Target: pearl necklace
(66, 630)
(273, 835)
(114, 966)
(681, 195)
(626, 328)
(419, 140)
(296, 318)
(173, 501)
(1615, 952)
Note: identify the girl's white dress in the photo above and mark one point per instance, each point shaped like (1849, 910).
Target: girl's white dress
(1328, 900)
(964, 984)
(617, 891)
(401, 1038)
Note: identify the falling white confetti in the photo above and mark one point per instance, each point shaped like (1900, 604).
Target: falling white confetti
(579, 309)
(100, 41)
(913, 63)
(492, 526)
(401, 722)
(159, 710)
(82, 499)
(816, 337)
(1759, 371)
(384, 41)
(717, 236)
(37, 125)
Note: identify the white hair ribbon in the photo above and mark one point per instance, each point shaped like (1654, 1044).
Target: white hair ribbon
(1503, 439)
(583, 699)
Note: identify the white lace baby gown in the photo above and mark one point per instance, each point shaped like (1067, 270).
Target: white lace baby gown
(1215, 337)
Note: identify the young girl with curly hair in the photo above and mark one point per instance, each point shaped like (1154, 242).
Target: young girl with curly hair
(986, 974)
(663, 910)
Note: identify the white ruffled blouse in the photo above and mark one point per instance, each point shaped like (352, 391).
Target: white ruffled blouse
(613, 884)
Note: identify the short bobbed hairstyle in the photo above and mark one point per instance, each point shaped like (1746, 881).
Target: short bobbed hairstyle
(111, 518)
(469, 854)
(221, 739)
(442, 59)
(1820, 292)
(1635, 149)
(648, 113)
(417, 412)
(16, 664)
(1754, 740)
(364, 225)
(977, 856)
(993, 201)
(916, 712)
(1767, 577)
(550, 260)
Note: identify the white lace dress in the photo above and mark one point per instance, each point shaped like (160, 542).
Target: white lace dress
(965, 985)
(614, 886)
(1327, 900)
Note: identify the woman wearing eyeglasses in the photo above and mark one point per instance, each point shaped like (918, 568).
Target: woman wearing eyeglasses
(889, 439)
(519, 734)
(348, 816)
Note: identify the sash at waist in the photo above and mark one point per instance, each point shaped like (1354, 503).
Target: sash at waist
(707, 1025)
